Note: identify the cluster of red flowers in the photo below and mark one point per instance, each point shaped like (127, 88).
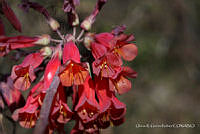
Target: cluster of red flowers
(94, 84)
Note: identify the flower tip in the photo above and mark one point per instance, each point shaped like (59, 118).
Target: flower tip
(86, 24)
(88, 40)
(76, 21)
(46, 51)
(43, 40)
(53, 24)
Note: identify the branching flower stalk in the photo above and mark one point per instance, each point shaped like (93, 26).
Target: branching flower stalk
(92, 79)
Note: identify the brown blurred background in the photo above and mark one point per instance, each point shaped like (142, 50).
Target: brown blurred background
(167, 90)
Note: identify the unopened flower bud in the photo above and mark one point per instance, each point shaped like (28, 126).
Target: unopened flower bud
(53, 24)
(87, 23)
(75, 20)
(88, 39)
(43, 40)
(46, 51)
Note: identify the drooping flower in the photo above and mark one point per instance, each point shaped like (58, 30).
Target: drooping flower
(112, 111)
(60, 110)
(107, 66)
(23, 74)
(28, 115)
(107, 49)
(100, 46)
(11, 43)
(122, 47)
(74, 73)
(60, 113)
(87, 107)
(121, 84)
(13, 98)
(85, 128)
(51, 68)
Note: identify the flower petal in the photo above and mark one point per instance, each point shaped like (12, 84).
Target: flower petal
(34, 59)
(87, 107)
(71, 52)
(50, 70)
(123, 85)
(129, 51)
(73, 74)
(104, 39)
(128, 72)
(98, 50)
(118, 109)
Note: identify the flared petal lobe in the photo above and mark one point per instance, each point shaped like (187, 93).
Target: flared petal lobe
(121, 84)
(128, 52)
(23, 74)
(87, 107)
(73, 74)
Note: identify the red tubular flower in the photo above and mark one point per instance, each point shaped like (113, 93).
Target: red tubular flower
(74, 73)
(87, 107)
(107, 66)
(23, 74)
(24, 42)
(114, 115)
(12, 97)
(112, 111)
(60, 110)
(104, 98)
(122, 46)
(101, 45)
(121, 84)
(104, 39)
(88, 128)
(28, 115)
(118, 109)
(51, 69)
(71, 52)
(10, 43)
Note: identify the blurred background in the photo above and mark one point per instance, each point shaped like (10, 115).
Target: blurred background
(167, 90)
